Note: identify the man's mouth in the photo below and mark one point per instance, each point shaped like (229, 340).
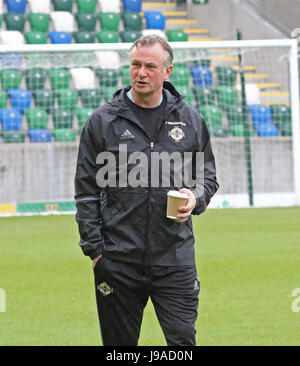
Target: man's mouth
(139, 82)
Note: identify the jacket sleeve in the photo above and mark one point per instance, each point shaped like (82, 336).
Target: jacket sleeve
(210, 184)
(87, 193)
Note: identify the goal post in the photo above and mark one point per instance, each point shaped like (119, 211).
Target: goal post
(48, 92)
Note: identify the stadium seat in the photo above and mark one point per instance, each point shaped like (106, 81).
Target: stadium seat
(60, 37)
(59, 78)
(38, 6)
(14, 21)
(62, 118)
(125, 75)
(226, 75)
(83, 78)
(35, 37)
(66, 98)
(108, 59)
(10, 119)
(63, 21)
(282, 118)
(10, 37)
(10, 79)
(107, 77)
(83, 114)
(252, 93)
(267, 129)
(180, 76)
(226, 94)
(280, 114)
(285, 129)
(39, 135)
(63, 135)
(239, 130)
(203, 95)
(83, 59)
(36, 118)
(11, 60)
(260, 113)
(202, 75)
(39, 22)
(180, 58)
(200, 57)
(35, 78)
(129, 36)
(187, 93)
(107, 36)
(235, 114)
(132, 21)
(132, 5)
(90, 98)
(20, 99)
(109, 21)
(44, 99)
(158, 32)
(113, 6)
(3, 99)
(176, 35)
(84, 37)
(86, 22)
(86, 6)
(107, 92)
(155, 20)
(212, 114)
(62, 5)
(218, 131)
(16, 6)
(13, 136)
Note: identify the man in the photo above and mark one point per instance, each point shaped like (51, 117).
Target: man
(137, 251)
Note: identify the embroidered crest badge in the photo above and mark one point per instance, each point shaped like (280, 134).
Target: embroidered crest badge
(105, 289)
(176, 133)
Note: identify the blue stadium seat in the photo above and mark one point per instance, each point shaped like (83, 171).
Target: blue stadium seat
(132, 5)
(260, 113)
(267, 129)
(202, 75)
(10, 119)
(16, 6)
(20, 99)
(60, 37)
(11, 60)
(39, 135)
(155, 20)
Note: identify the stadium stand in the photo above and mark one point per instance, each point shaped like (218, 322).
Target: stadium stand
(50, 98)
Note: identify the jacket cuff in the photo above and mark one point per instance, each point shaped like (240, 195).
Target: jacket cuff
(92, 250)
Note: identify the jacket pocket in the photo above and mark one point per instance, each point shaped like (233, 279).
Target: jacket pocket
(107, 213)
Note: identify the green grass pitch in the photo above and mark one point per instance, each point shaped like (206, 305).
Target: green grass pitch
(247, 262)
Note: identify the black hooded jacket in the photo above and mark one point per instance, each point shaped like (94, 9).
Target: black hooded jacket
(129, 223)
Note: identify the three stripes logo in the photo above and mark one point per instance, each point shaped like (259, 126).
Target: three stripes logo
(126, 135)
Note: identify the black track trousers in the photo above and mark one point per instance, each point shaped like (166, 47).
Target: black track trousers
(122, 291)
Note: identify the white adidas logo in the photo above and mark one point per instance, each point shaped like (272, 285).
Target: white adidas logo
(126, 135)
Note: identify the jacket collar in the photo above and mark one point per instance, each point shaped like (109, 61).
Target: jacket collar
(119, 106)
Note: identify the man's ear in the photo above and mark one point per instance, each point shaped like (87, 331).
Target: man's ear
(169, 70)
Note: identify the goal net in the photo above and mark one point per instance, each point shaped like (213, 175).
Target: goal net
(247, 92)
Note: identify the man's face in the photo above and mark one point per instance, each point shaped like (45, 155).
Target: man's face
(147, 70)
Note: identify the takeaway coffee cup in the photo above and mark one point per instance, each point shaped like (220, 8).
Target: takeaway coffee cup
(174, 201)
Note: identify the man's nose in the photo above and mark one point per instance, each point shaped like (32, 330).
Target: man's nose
(142, 72)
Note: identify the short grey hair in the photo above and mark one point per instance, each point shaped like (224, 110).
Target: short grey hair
(150, 40)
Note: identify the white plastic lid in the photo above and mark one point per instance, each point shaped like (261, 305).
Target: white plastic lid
(177, 194)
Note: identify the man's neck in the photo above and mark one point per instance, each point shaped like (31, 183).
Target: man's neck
(145, 102)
